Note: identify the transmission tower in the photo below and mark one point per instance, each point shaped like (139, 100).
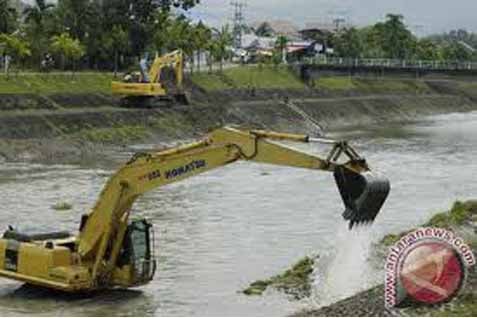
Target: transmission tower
(238, 22)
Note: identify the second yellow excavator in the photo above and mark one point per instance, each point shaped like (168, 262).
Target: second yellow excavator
(154, 86)
(112, 251)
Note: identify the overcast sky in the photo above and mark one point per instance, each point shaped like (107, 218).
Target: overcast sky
(425, 16)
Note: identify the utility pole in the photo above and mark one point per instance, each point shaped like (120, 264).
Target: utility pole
(338, 22)
(339, 18)
(238, 22)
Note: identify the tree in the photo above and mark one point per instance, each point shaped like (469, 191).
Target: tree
(397, 41)
(371, 39)
(455, 51)
(349, 43)
(36, 17)
(76, 16)
(8, 17)
(221, 43)
(115, 42)
(281, 47)
(38, 12)
(68, 48)
(180, 34)
(202, 36)
(14, 47)
(427, 50)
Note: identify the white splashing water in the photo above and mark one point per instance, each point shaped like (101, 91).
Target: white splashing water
(346, 269)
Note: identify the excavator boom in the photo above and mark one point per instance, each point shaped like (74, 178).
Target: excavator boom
(107, 251)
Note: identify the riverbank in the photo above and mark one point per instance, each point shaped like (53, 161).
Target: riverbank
(462, 220)
(58, 117)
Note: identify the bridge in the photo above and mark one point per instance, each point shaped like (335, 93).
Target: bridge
(417, 68)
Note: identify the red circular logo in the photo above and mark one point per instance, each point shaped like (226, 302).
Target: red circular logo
(432, 272)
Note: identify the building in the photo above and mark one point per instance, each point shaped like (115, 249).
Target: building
(275, 28)
(315, 31)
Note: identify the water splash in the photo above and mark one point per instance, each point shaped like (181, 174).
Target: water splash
(345, 270)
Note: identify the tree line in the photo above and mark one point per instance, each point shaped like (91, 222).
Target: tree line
(392, 39)
(105, 35)
(113, 34)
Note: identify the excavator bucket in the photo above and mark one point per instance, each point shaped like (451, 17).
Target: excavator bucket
(363, 194)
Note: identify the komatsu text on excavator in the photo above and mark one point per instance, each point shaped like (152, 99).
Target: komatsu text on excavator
(112, 251)
(154, 86)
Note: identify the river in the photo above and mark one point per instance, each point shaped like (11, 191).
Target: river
(220, 231)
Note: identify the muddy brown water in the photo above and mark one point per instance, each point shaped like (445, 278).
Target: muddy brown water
(218, 232)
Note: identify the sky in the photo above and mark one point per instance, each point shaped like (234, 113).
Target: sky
(423, 16)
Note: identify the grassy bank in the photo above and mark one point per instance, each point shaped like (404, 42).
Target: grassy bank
(244, 77)
(460, 218)
(460, 214)
(265, 77)
(295, 281)
(371, 85)
(56, 83)
(269, 77)
(96, 82)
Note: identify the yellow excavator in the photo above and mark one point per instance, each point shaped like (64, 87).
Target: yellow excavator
(154, 86)
(112, 251)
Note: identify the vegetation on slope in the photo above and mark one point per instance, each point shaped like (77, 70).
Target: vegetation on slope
(247, 77)
(56, 83)
(295, 282)
(460, 214)
(113, 135)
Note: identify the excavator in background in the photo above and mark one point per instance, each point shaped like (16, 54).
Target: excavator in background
(154, 86)
(111, 250)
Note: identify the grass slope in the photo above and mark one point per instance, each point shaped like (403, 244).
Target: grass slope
(261, 77)
(56, 83)
(295, 282)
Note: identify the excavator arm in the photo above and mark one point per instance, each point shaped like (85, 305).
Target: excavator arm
(175, 60)
(101, 237)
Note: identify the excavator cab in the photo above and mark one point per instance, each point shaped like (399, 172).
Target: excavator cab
(138, 252)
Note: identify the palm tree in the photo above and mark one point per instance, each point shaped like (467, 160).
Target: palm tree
(36, 13)
(116, 42)
(68, 48)
(8, 16)
(202, 35)
(35, 16)
(281, 45)
(76, 16)
(223, 40)
(15, 47)
(180, 35)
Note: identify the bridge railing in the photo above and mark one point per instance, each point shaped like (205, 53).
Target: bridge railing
(392, 63)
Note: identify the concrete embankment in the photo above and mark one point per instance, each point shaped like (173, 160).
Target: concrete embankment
(54, 124)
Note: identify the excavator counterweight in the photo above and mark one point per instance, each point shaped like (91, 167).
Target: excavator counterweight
(112, 251)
